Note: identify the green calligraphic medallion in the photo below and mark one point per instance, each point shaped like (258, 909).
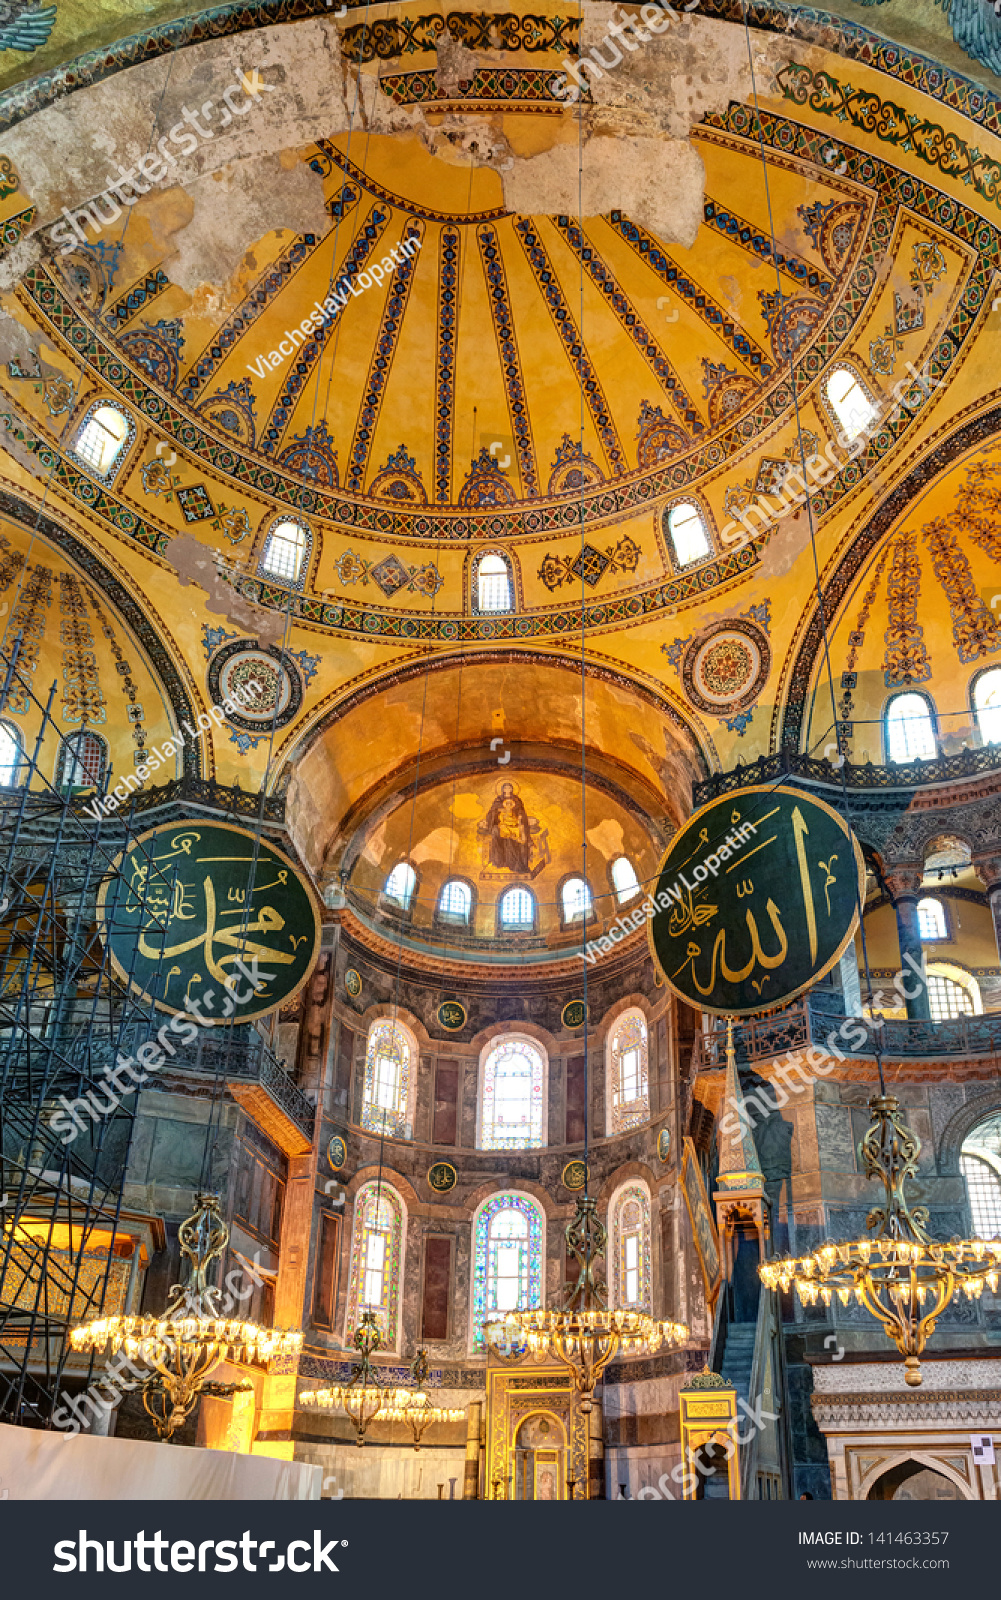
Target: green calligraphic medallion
(574, 1175)
(189, 909)
(352, 983)
(452, 1015)
(337, 1152)
(664, 1144)
(442, 1176)
(574, 1014)
(757, 897)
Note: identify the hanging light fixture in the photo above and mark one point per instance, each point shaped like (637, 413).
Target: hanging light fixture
(584, 1334)
(363, 1398)
(416, 1407)
(192, 1338)
(904, 1278)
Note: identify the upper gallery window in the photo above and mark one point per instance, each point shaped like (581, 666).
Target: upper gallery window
(81, 761)
(980, 1160)
(629, 1216)
(507, 1264)
(455, 901)
(10, 755)
(910, 732)
(390, 1080)
(286, 551)
(624, 879)
(493, 584)
(400, 884)
(987, 704)
(517, 909)
(850, 403)
(577, 902)
(627, 1072)
(948, 999)
(689, 536)
(931, 920)
(512, 1100)
(376, 1260)
(103, 437)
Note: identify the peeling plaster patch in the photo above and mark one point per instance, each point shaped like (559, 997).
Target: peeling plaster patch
(658, 182)
(17, 344)
(18, 448)
(607, 838)
(16, 262)
(196, 563)
(456, 65)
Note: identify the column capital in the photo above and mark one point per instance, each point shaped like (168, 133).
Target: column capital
(904, 882)
(988, 869)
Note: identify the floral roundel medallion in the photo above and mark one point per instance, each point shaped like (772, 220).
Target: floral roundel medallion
(237, 666)
(725, 666)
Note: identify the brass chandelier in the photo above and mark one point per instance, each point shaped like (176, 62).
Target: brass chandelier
(416, 1407)
(192, 1337)
(585, 1335)
(904, 1278)
(364, 1398)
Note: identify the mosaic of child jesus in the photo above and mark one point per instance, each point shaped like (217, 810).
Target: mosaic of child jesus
(510, 835)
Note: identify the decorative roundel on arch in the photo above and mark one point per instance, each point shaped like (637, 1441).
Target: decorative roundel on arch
(725, 667)
(238, 664)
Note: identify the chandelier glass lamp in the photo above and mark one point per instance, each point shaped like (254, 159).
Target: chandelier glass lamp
(363, 1398)
(415, 1406)
(585, 1335)
(900, 1275)
(192, 1337)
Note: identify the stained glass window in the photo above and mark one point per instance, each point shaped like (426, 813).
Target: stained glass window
(376, 1260)
(81, 760)
(980, 1160)
(513, 1086)
(389, 1063)
(628, 1072)
(630, 1230)
(507, 1265)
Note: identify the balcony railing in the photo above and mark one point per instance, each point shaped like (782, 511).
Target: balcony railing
(247, 1064)
(865, 775)
(810, 1022)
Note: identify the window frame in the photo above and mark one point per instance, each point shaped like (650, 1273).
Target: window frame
(524, 1199)
(388, 902)
(580, 920)
(708, 526)
(495, 1042)
(369, 1111)
(474, 583)
(988, 1158)
(623, 1124)
(65, 758)
(841, 438)
(620, 1197)
(448, 919)
(985, 672)
(354, 1304)
(935, 938)
(19, 762)
(899, 694)
(124, 449)
(298, 583)
(512, 931)
(616, 894)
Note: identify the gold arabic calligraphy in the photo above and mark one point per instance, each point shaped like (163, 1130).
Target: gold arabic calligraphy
(268, 921)
(757, 957)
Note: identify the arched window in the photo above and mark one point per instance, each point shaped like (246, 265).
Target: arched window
(624, 880)
(102, 439)
(10, 755)
(455, 901)
(507, 1259)
(512, 1096)
(627, 1073)
(376, 1260)
(286, 552)
(517, 909)
(980, 1160)
(910, 732)
(850, 403)
(400, 884)
(688, 534)
(493, 584)
(390, 1080)
(629, 1226)
(987, 704)
(82, 759)
(577, 903)
(931, 920)
(947, 998)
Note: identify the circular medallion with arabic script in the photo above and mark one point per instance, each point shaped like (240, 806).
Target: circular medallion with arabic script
(237, 667)
(725, 666)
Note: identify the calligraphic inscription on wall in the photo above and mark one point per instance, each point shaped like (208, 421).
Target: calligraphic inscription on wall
(574, 1175)
(442, 1176)
(452, 1015)
(337, 1152)
(664, 1144)
(757, 897)
(574, 1014)
(352, 982)
(210, 919)
(700, 1217)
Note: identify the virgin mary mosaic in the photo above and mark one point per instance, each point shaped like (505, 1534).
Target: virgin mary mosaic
(511, 840)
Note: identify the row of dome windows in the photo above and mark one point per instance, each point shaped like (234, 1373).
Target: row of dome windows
(80, 763)
(513, 1084)
(516, 907)
(910, 719)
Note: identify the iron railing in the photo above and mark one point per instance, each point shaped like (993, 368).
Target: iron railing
(864, 775)
(811, 1023)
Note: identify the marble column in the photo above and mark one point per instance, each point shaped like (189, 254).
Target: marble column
(989, 872)
(904, 884)
(471, 1481)
(851, 987)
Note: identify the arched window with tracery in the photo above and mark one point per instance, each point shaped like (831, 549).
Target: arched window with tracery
(687, 534)
(376, 1260)
(508, 1244)
(107, 431)
(851, 405)
(390, 1080)
(910, 731)
(629, 1227)
(931, 919)
(82, 759)
(980, 1160)
(517, 910)
(627, 1072)
(455, 901)
(512, 1095)
(286, 552)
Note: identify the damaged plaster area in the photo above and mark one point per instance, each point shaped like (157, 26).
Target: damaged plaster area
(247, 179)
(195, 563)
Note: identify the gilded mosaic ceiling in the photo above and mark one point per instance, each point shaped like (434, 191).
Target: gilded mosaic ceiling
(384, 282)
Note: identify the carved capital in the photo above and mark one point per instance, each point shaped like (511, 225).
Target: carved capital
(989, 871)
(904, 881)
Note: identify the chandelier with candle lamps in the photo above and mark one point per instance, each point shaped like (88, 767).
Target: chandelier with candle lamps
(192, 1337)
